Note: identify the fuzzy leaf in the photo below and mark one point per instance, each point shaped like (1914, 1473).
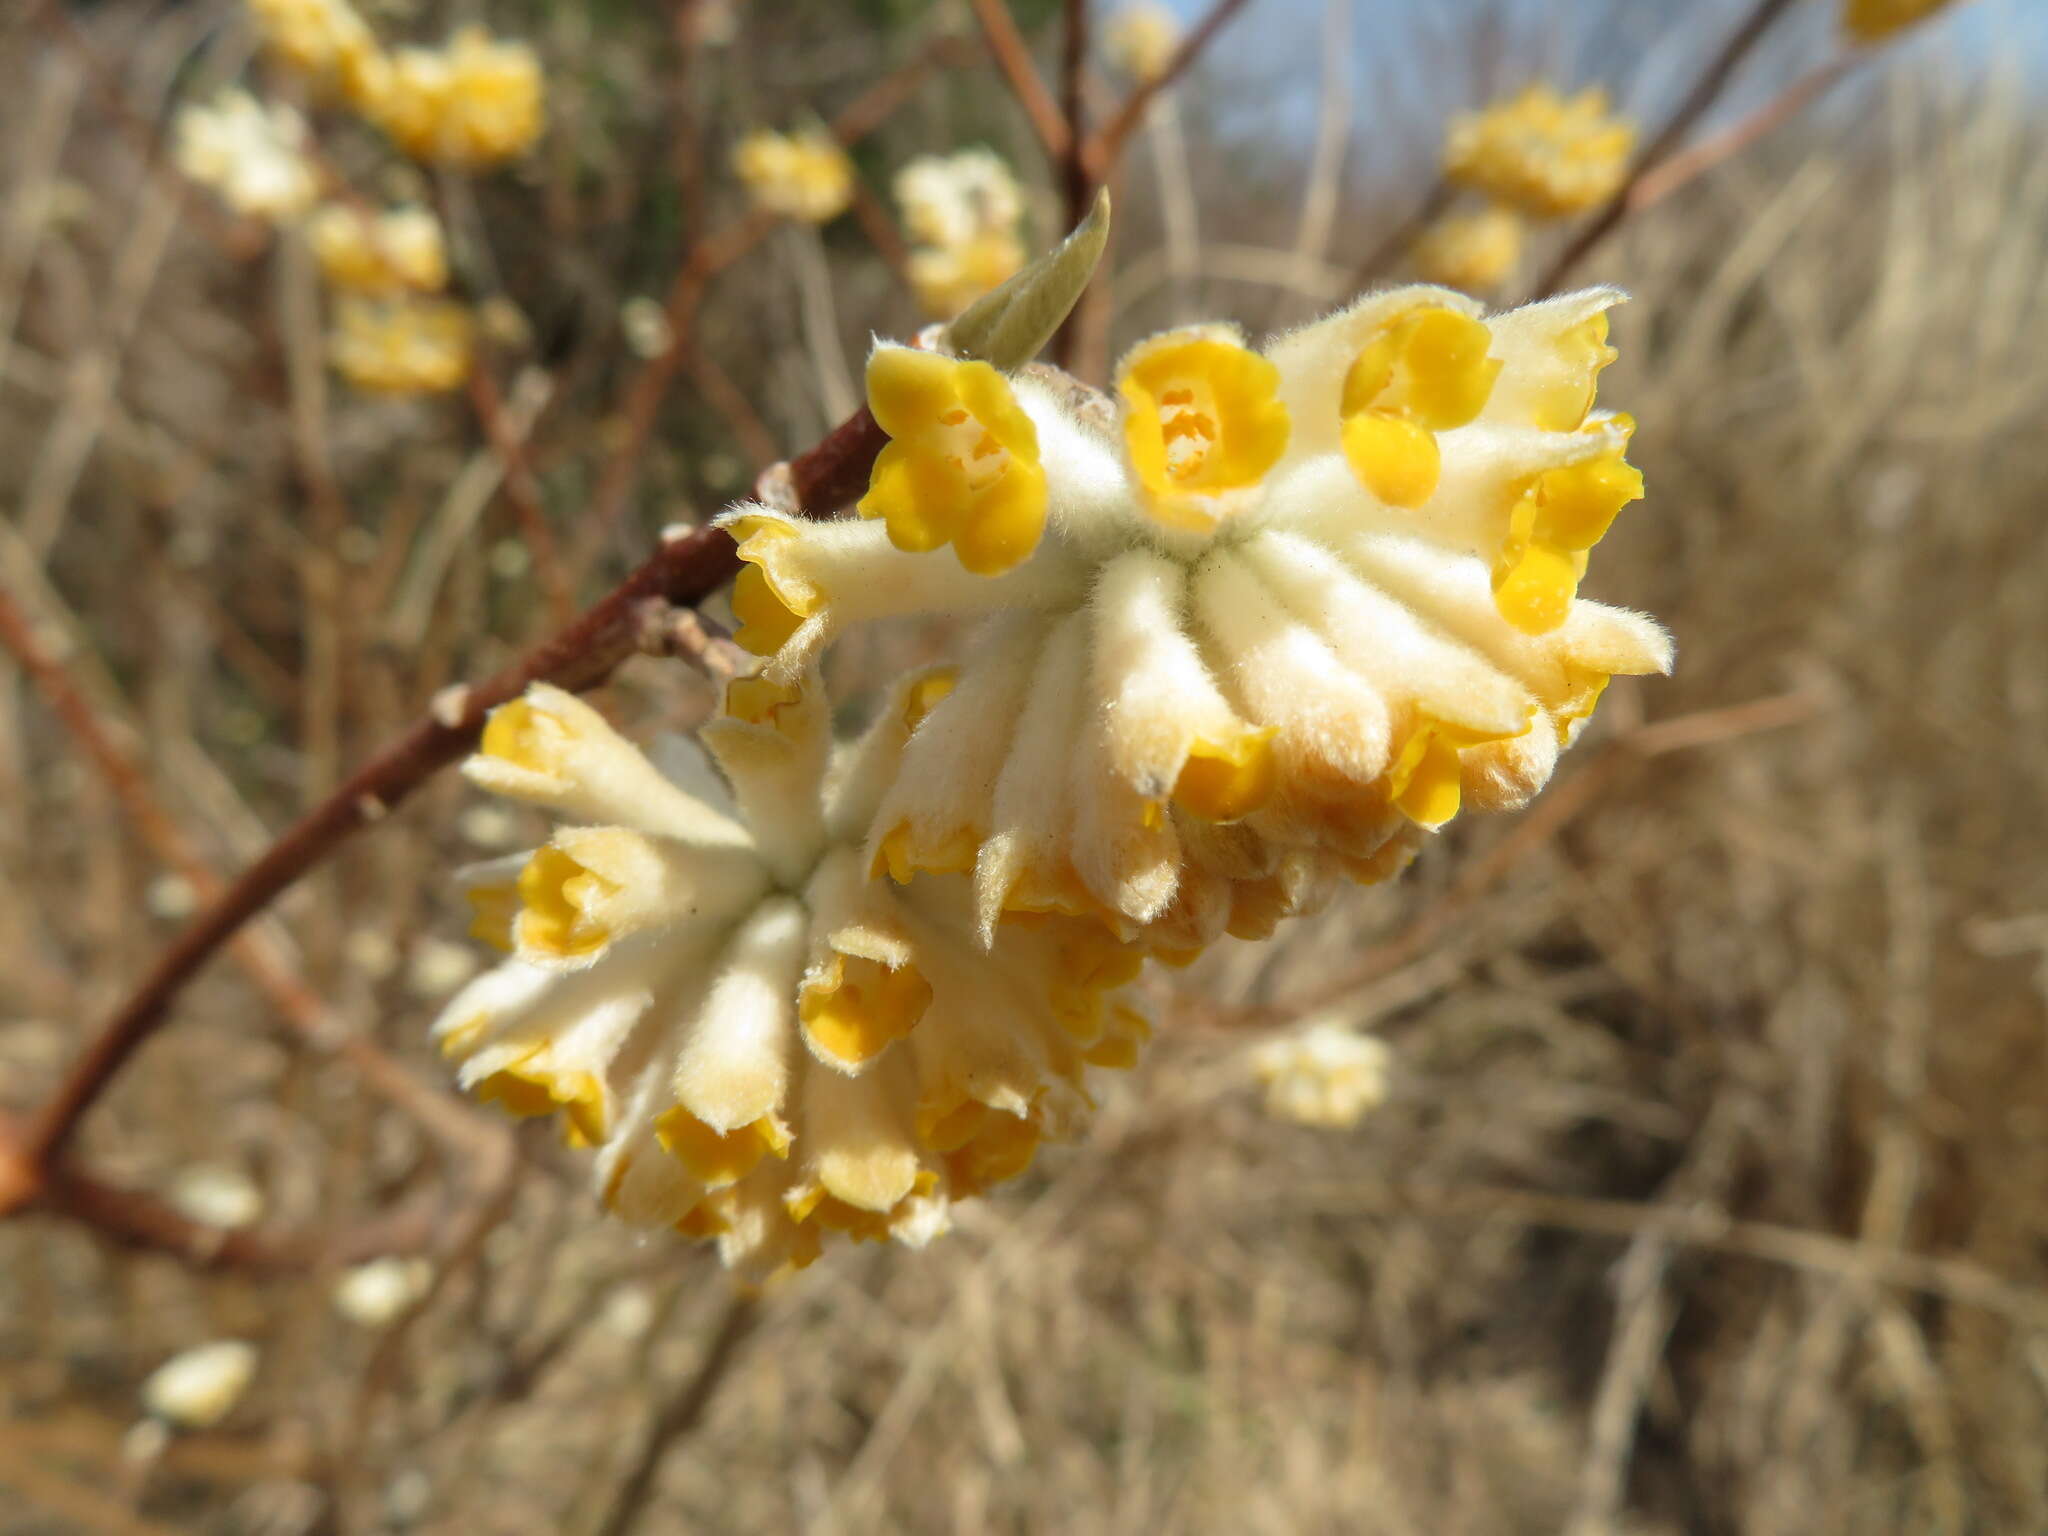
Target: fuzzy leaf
(1007, 326)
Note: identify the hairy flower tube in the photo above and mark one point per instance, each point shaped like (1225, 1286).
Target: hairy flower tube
(1290, 610)
(963, 211)
(397, 251)
(1872, 21)
(402, 346)
(762, 1044)
(804, 176)
(1474, 251)
(252, 155)
(1545, 154)
(475, 101)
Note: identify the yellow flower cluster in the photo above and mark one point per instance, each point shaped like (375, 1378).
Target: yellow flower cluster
(1141, 38)
(1544, 154)
(804, 176)
(475, 101)
(402, 345)
(1476, 251)
(1872, 21)
(1252, 629)
(963, 212)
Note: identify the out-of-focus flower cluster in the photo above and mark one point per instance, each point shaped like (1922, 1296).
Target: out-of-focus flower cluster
(474, 102)
(1535, 156)
(964, 213)
(1141, 38)
(803, 175)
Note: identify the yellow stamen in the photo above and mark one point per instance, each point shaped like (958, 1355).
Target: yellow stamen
(905, 858)
(1202, 419)
(925, 695)
(1424, 781)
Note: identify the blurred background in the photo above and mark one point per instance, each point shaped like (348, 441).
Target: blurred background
(1697, 1178)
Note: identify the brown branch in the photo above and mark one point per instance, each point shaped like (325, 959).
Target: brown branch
(1401, 239)
(1013, 57)
(1079, 183)
(1107, 146)
(1660, 181)
(522, 491)
(681, 1415)
(141, 1221)
(686, 568)
(1706, 90)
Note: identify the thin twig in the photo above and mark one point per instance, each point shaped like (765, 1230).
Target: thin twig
(1706, 90)
(522, 491)
(1078, 184)
(1381, 259)
(711, 256)
(1660, 181)
(1108, 143)
(681, 1415)
(1013, 57)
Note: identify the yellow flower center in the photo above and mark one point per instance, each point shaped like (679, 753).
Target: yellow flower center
(528, 1088)
(961, 467)
(718, 1158)
(1202, 419)
(860, 1007)
(1562, 405)
(1227, 780)
(558, 895)
(766, 612)
(1424, 373)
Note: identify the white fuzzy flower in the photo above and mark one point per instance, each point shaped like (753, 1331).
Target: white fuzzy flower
(1323, 1075)
(1284, 614)
(763, 1044)
(373, 1294)
(252, 155)
(216, 1196)
(199, 1388)
(963, 212)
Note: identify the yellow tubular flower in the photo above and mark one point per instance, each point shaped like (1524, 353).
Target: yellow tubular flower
(763, 1046)
(402, 346)
(803, 176)
(325, 40)
(1474, 251)
(1562, 514)
(1203, 424)
(961, 467)
(1424, 373)
(1540, 152)
(1872, 21)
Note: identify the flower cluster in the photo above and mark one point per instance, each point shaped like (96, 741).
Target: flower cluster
(803, 176)
(1141, 38)
(1260, 629)
(1545, 154)
(764, 1045)
(1537, 156)
(1325, 1075)
(1872, 21)
(474, 101)
(253, 156)
(1255, 628)
(964, 213)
